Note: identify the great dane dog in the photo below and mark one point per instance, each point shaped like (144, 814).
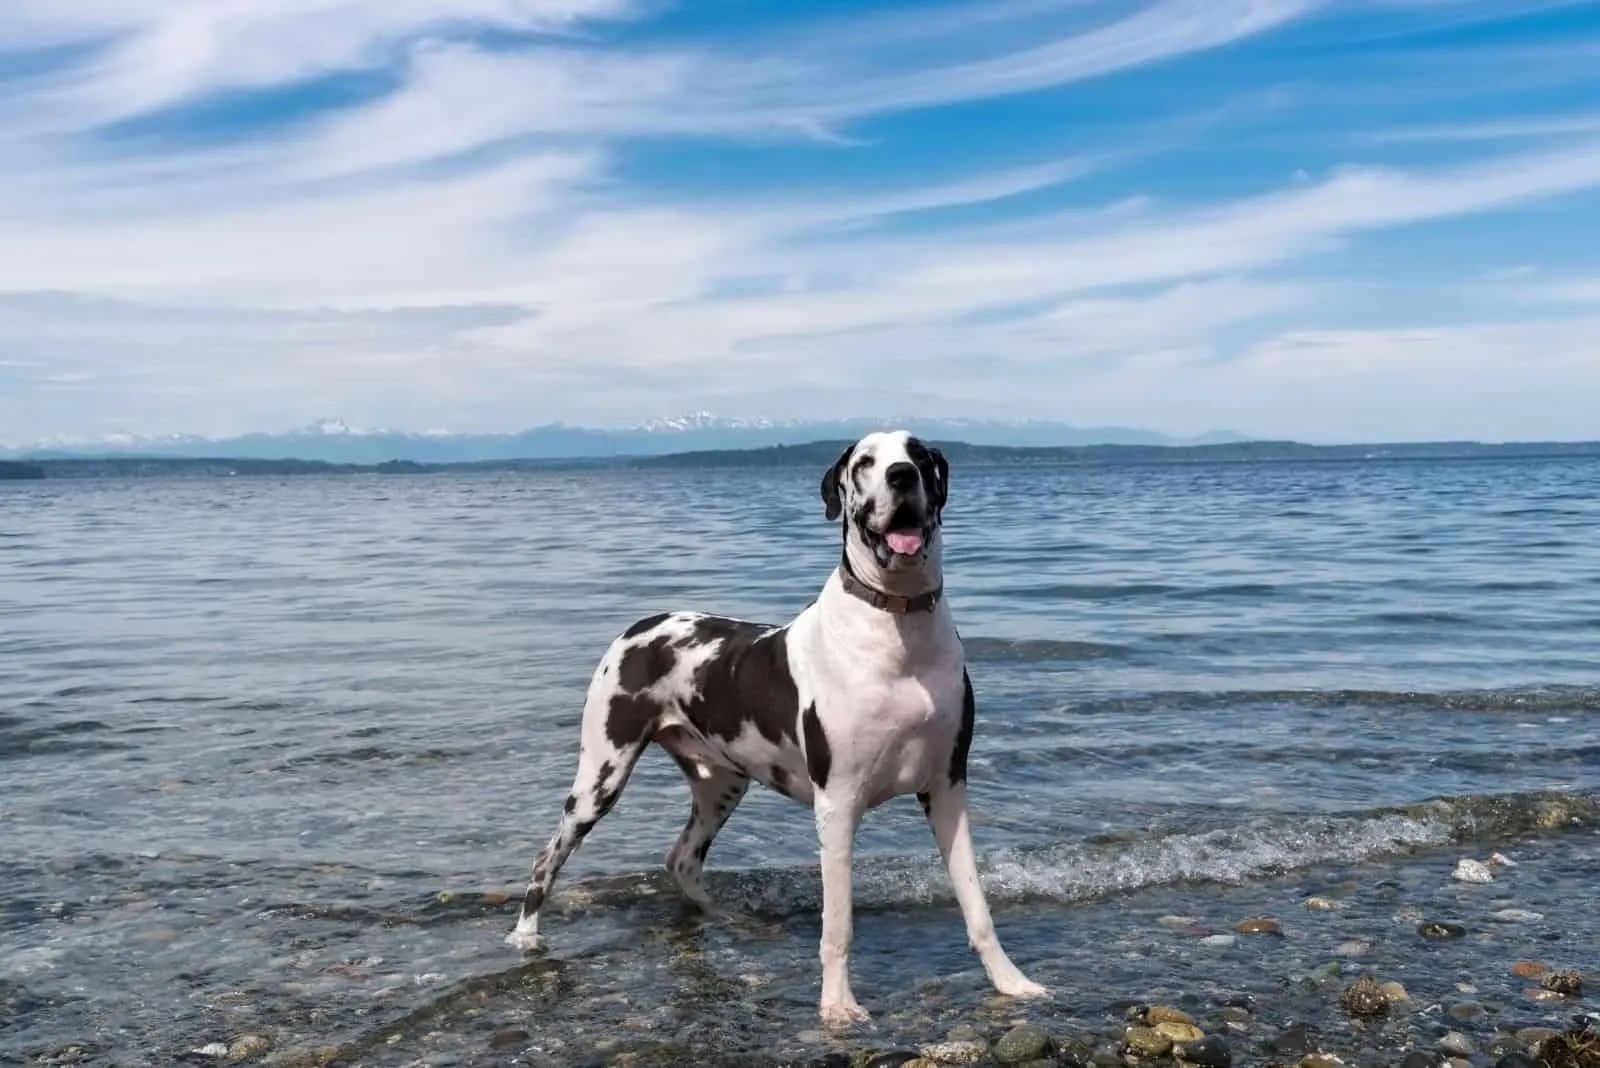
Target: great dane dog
(863, 697)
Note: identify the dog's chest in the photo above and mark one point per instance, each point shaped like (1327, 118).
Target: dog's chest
(891, 734)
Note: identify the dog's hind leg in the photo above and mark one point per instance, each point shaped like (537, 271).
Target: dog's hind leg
(717, 792)
(594, 791)
(616, 728)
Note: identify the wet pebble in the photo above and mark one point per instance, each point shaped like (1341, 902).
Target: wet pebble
(1364, 997)
(892, 1059)
(211, 1049)
(514, 1036)
(1472, 871)
(1394, 992)
(1322, 904)
(1517, 916)
(1293, 1039)
(1529, 969)
(1418, 1058)
(1440, 929)
(1147, 1042)
(246, 1046)
(1259, 925)
(1209, 1052)
(1159, 1014)
(1321, 1060)
(1218, 941)
(1465, 1012)
(1567, 984)
(1532, 1036)
(1356, 947)
(955, 1052)
(1181, 1034)
(1021, 1043)
(1456, 1044)
(1516, 1059)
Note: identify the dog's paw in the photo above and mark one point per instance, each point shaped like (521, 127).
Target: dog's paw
(527, 941)
(844, 1014)
(1023, 988)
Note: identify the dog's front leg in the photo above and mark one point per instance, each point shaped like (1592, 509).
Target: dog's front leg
(946, 805)
(837, 821)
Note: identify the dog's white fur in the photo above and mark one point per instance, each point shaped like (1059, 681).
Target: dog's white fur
(880, 707)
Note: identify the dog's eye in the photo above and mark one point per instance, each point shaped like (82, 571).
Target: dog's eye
(865, 462)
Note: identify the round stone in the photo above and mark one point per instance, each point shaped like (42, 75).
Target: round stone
(1322, 904)
(246, 1046)
(1259, 925)
(1022, 1043)
(1420, 1059)
(1567, 984)
(1394, 992)
(1160, 1014)
(1529, 969)
(1209, 1052)
(1181, 1033)
(1456, 1044)
(1147, 1042)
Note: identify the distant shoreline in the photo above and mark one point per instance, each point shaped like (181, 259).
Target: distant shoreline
(814, 454)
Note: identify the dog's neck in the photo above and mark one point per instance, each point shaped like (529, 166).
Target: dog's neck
(861, 564)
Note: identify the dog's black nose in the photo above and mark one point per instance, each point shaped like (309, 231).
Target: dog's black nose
(901, 476)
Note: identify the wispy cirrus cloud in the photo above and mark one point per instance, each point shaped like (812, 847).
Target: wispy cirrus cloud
(541, 208)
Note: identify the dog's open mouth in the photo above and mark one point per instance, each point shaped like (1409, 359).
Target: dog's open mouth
(902, 544)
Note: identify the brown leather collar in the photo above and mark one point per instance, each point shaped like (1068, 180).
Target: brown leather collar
(889, 602)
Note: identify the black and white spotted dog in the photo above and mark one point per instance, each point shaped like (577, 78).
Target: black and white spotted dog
(863, 697)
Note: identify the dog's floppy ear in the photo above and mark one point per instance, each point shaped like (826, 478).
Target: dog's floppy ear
(941, 470)
(831, 480)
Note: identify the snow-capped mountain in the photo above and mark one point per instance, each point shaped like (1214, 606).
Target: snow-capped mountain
(336, 441)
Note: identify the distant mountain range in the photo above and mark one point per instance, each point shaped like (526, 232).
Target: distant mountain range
(334, 441)
(813, 456)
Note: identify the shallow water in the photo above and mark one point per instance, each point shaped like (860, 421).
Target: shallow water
(272, 750)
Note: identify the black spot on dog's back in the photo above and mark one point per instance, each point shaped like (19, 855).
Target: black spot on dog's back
(647, 623)
(747, 681)
(958, 755)
(642, 665)
(819, 758)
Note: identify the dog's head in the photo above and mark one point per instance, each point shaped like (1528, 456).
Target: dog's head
(890, 488)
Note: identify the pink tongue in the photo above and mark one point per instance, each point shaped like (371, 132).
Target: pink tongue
(904, 542)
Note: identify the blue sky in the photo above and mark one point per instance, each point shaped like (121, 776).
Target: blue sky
(1336, 220)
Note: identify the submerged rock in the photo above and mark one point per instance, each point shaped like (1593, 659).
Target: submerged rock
(1182, 1034)
(1457, 1044)
(246, 1046)
(1567, 984)
(1147, 1042)
(1517, 1059)
(1441, 930)
(1259, 925)
(1209, 1052)
(1364, 997)
(1472, 871)
(1529, 969)
(512, 1036)
(1394, 992)
(1421, 1059)
(1322, 904)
